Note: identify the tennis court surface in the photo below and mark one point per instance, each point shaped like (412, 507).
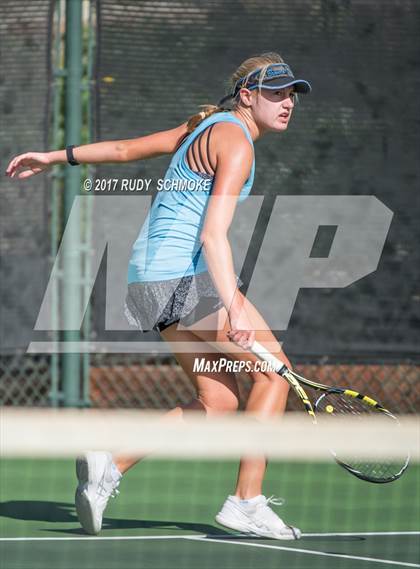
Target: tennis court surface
(164, 516)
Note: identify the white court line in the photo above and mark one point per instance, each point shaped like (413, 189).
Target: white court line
(361, 533)
(230, 537)
(102, 538)
(231, 540)
(307, 551)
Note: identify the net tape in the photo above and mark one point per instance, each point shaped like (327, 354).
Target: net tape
(66, 433)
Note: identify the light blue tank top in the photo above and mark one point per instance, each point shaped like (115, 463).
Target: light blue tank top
(168, 245)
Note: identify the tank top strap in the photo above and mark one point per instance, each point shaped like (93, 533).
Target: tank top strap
(178, 168)
(225, 116)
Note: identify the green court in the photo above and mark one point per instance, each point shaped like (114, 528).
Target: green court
(164, 518)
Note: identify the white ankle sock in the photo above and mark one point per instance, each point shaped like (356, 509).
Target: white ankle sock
(116, 474)
(250, 501)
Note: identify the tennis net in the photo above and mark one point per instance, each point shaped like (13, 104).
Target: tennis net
(164, 514)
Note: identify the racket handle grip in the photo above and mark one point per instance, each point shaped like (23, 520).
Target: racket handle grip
(263, 354)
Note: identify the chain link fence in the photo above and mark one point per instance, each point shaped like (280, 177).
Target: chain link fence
(25, 380)
(124, 382)
(25, 81)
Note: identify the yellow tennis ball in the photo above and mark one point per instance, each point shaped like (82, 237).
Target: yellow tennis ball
(329, 408)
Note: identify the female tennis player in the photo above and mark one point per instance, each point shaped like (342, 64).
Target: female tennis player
(181, 278)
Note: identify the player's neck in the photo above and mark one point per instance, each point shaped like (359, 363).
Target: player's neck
(245, 116)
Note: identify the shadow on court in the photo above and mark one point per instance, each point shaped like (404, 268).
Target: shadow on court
(121, 524)
(64, 512)
(33, 510)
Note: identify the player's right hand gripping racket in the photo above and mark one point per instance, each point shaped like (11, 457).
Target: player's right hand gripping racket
(340, 401)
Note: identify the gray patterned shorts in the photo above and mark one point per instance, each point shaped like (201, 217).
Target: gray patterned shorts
(155, 305)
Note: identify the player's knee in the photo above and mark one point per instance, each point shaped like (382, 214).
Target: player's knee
(269, 378)
(219, 404)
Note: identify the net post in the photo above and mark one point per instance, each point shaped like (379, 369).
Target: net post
(71, 364)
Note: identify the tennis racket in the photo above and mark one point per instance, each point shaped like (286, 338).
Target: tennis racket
(340, 401)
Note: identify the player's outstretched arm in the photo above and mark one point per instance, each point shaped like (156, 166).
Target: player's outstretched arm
(164, 142)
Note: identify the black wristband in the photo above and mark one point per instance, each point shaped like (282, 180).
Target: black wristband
(70, 157)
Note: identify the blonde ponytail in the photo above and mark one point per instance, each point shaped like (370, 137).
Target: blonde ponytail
(198, 118)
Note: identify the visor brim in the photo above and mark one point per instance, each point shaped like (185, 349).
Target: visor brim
(300, 85)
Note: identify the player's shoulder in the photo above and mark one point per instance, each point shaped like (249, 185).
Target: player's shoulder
(231, 128)
(230, 135)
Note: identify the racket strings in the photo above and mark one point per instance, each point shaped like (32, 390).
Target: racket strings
(345, 404)
(335, 404)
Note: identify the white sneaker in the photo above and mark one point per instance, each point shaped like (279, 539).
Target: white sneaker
(254, 516)
(98, 481)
